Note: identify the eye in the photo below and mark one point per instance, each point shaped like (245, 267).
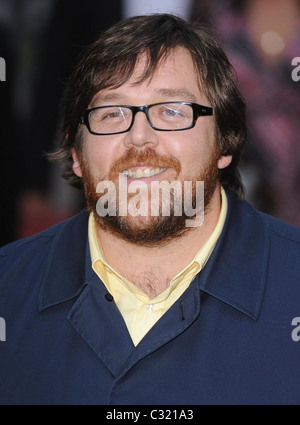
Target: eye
(111, 114)
(172, 112)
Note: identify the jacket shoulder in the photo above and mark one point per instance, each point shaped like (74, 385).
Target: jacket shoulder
(280, 228)
(39, 242)
(28, 265)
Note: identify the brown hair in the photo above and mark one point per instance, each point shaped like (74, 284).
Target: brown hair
(111, 59)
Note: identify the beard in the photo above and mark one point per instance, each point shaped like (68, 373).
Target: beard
(150, 230)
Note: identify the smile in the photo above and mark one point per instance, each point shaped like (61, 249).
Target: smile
(140, 173)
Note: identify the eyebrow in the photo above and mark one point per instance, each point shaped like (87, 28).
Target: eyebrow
(179, 94)
(109, 97)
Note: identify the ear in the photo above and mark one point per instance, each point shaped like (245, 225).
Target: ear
(76, 164)
(224, 161)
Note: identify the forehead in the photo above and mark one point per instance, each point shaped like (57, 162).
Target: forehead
(175, 76)
(176, 62)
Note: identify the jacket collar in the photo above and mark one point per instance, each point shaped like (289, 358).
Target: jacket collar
(65, 269)
(235, 272)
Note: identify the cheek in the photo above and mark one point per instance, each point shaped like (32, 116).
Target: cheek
(193, 155)
(99, 156)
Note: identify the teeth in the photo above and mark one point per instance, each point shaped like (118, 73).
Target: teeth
(139, 173)
(147, 172)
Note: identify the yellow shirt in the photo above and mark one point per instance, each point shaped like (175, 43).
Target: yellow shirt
(139, 311)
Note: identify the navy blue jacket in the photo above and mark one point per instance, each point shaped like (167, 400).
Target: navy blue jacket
(232, 337)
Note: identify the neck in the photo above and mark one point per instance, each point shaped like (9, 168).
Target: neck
(159, 264)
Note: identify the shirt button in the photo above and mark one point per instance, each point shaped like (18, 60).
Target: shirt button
(109, 297)
(150, 307)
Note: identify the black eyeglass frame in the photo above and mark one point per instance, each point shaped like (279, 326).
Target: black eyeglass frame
(198, 111)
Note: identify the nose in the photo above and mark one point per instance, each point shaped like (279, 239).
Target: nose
(141, 133)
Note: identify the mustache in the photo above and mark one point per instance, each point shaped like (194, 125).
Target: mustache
(149, 157)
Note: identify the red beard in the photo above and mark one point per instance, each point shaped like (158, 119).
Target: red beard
(150, 230)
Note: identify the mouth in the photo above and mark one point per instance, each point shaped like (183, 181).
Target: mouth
(142, 172)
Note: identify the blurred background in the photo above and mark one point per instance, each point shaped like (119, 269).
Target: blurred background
(40, 41)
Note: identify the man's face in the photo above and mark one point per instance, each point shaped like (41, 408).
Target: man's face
(189, 155)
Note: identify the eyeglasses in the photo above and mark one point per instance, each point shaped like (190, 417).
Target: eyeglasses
(164, 116)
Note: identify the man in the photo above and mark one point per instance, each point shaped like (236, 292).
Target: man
(153, 296)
